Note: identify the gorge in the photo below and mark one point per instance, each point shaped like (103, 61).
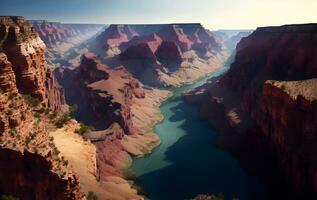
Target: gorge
(156, 111)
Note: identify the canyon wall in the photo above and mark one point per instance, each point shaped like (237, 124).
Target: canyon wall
(269, 96)
(286, 118)
(30, 165)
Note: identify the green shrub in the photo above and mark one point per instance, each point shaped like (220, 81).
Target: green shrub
(12, 96)
(91, 196)
(84, 129)
(55, 151)
(53, 115)
(8, 197)
(73, 108)
(219, 196)
(13, 132)
(65, 162)
(41, 111)
(59, 123)
(47, 110)
(37, 115)
(31, 101)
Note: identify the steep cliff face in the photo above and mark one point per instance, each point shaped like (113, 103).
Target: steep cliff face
(103, 94)
(25, 50)
(263, 56)
(31, 167)
(283, 111)
(28, 176)
(286, 115)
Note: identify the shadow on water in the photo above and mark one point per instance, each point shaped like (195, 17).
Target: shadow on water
(187, 162)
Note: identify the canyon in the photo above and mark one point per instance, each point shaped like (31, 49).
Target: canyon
(120, 107)
(90, 109)
(268, 97)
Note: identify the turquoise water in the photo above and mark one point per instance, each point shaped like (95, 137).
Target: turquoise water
(187, 163)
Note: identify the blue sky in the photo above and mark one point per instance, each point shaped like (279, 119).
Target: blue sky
(212, 14)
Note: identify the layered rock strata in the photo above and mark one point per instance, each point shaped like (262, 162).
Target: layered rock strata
(31, 167)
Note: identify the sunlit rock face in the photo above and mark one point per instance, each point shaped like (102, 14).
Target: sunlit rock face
(160, 54)
(25, 50)
(29, 168)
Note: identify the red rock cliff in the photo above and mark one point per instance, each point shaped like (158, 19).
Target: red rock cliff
(284, 111)
(30, 165)
(286, 116)
(26, 50)
(104, 95)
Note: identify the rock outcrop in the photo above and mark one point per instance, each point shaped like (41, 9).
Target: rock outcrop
(153, 40)
(169, 54)
(141, 52)
(286, 116)
(105, 93)
(114, 35)
(26, 51)
(31, 167)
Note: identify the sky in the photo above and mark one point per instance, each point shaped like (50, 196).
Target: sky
(213, 14)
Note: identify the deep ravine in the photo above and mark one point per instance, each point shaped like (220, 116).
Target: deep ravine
(187, 162)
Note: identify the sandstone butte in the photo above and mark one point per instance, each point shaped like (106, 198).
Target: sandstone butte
(272, 82)
(164, 55)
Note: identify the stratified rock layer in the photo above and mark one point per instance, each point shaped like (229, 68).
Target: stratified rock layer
(25, 50)
(30, 167)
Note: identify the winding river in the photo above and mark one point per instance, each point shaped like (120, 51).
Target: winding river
(187, 162)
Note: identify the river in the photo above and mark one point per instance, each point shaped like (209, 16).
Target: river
(187, 162)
